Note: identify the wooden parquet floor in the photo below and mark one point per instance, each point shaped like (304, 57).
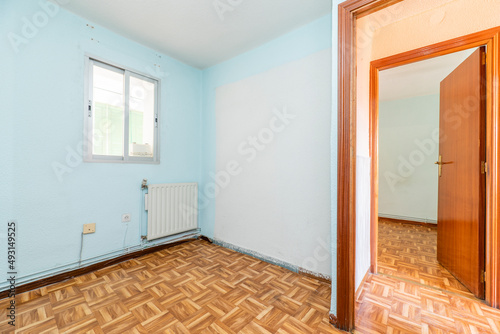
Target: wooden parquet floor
(390, 305)
(195, 287)
(410, 252)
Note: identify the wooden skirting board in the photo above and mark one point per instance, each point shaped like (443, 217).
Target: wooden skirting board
(401, 221)
(81, 271)
(207, 239)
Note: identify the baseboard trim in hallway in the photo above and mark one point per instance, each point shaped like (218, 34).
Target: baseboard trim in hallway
(360, 287)
(407, 221)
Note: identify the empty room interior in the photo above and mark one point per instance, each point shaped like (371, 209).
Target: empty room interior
(179, 166)
(409, 176)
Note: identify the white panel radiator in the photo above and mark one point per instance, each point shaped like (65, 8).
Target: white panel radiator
(172, 208)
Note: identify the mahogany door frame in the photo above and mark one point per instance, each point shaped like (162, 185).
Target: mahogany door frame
(490, 38)
(348, 12)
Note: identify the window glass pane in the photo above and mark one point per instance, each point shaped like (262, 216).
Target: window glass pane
(108, 99)
(141, 118)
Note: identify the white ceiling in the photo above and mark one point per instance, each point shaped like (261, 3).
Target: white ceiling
(196, 32)
(418, 79)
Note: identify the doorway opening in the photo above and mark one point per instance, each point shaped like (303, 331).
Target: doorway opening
(431, 218)
(349, 12)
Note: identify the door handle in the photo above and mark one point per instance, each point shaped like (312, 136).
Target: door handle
(440, 164)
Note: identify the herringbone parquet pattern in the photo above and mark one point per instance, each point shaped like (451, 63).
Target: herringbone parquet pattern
(195, 287)
(410, 252)
(389, 305)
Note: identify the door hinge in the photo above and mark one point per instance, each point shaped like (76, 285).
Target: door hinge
(483, 276)
(484, 58)
(484, 167)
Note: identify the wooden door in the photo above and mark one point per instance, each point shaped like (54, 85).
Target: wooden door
(461, 203)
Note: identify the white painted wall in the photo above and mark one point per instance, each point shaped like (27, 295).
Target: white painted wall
(363, 54)
(408, 148)
(276, 201)
(363, 167)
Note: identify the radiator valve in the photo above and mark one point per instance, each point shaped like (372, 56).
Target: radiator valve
(144, 184)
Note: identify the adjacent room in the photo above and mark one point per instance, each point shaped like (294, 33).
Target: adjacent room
(166, 166)
(410, 144)
(399, 284)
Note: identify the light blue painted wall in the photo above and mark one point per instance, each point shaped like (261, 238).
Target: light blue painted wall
(41, 90)
(333, 156)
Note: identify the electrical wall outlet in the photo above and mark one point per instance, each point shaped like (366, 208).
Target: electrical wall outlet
(88, 228)
(125, 217)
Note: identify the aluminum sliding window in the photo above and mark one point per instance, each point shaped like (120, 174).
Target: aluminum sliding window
(121, 115)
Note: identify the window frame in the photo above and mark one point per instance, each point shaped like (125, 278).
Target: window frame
(88, 113)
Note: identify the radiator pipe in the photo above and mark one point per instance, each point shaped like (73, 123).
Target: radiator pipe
(144, 185)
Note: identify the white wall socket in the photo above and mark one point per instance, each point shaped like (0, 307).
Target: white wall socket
(88, 228)
(125, 217)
